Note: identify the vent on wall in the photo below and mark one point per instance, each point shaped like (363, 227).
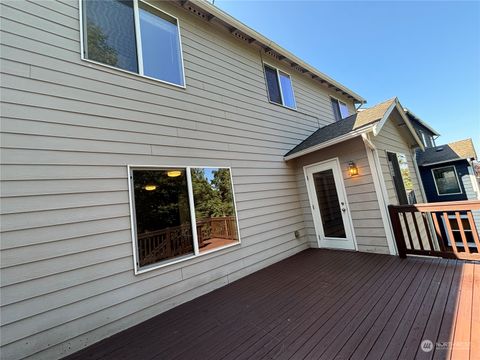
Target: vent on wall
(240, 35)
(196, 11)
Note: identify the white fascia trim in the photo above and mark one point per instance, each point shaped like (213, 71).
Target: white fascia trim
(380, 191)
(230, 20)
(422, 122)
(382, 122)
(445, 161)
(348, 136)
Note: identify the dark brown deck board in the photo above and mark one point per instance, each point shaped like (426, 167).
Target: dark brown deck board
(319, 304)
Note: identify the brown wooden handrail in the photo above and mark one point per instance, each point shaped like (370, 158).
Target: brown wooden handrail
(430, 229)
(173, 241)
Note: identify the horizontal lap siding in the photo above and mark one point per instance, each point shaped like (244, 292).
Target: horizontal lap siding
(69, 129)
(391, 139)
(362, 199)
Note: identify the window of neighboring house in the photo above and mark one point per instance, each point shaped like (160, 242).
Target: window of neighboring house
(340, 109)
(279, 86)
(167, 201)
(133, 36)
(426, 139)
(446, 180)
(401, 178)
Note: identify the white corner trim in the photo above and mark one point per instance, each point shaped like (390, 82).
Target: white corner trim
(381, 192)
(348, 136)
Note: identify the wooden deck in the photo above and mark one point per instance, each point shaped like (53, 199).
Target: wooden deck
(320, 304)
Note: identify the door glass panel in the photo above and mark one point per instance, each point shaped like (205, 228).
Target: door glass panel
(330, 210)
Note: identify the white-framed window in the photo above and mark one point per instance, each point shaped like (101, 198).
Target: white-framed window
(340, 109)
(279, 87)
(132, 36)
(446, 180)
(180, 212)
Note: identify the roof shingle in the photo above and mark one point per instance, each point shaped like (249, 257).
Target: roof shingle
(458, 150)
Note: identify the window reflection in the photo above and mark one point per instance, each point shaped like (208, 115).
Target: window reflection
(214, 208)
(162, 215)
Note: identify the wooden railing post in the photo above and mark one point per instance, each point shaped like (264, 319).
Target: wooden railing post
(397, 231)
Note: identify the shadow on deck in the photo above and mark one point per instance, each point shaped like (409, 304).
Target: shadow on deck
(320, 304)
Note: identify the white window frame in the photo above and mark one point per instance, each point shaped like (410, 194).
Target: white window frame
(167, 262)
(456, 177)
(138, 44)
(340, 101)
(280, 86)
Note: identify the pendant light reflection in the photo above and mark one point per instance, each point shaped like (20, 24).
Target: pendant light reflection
(174, 173)
(150, 187)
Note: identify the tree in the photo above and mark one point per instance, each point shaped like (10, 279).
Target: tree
(98, 48)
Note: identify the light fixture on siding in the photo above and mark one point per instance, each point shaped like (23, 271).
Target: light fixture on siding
(352, 169)
(150, 187)
(174, 173)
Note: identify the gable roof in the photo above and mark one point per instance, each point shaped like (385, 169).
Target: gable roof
(422, 123)
(212, 14)
(458, 150)
(371, 119)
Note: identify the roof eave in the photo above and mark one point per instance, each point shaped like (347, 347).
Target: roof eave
(350, 135)
(266, 43)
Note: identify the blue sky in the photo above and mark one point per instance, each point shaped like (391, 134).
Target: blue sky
(425, 52)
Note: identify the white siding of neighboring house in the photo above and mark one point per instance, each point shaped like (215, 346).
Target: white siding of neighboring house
(70, 128)
(361, 196)
(472, 191)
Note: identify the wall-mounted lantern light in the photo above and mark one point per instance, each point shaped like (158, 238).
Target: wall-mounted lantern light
(352, 169)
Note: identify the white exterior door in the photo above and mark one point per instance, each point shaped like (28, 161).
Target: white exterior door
(328, 200)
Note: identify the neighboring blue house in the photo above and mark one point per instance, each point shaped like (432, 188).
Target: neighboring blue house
(447, 171)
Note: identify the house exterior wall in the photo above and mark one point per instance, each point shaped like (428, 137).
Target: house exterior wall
(429, 184)
(390, 139)
(69, 130)
(361, 196)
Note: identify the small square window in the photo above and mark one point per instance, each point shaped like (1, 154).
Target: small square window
(279, 87)
(340, 109)
(446, 180)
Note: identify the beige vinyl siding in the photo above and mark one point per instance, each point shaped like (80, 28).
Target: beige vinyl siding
(69, 130)
(390, 139)
(362, 199)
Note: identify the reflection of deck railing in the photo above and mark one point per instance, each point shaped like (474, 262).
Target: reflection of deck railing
(174, 241)
(454, 232)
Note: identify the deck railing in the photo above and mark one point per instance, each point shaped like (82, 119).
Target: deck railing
(174, 241)
(443, 229)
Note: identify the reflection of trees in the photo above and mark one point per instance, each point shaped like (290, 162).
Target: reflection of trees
(98, 49)
(402, 163)
(212, 199)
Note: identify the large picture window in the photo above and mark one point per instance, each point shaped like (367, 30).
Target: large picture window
(134, 36)
(167, 201)
(446, 180)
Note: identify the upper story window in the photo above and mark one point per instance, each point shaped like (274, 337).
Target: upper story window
(446, 180)
(279, 86)
(133, 36)
(340, 109)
